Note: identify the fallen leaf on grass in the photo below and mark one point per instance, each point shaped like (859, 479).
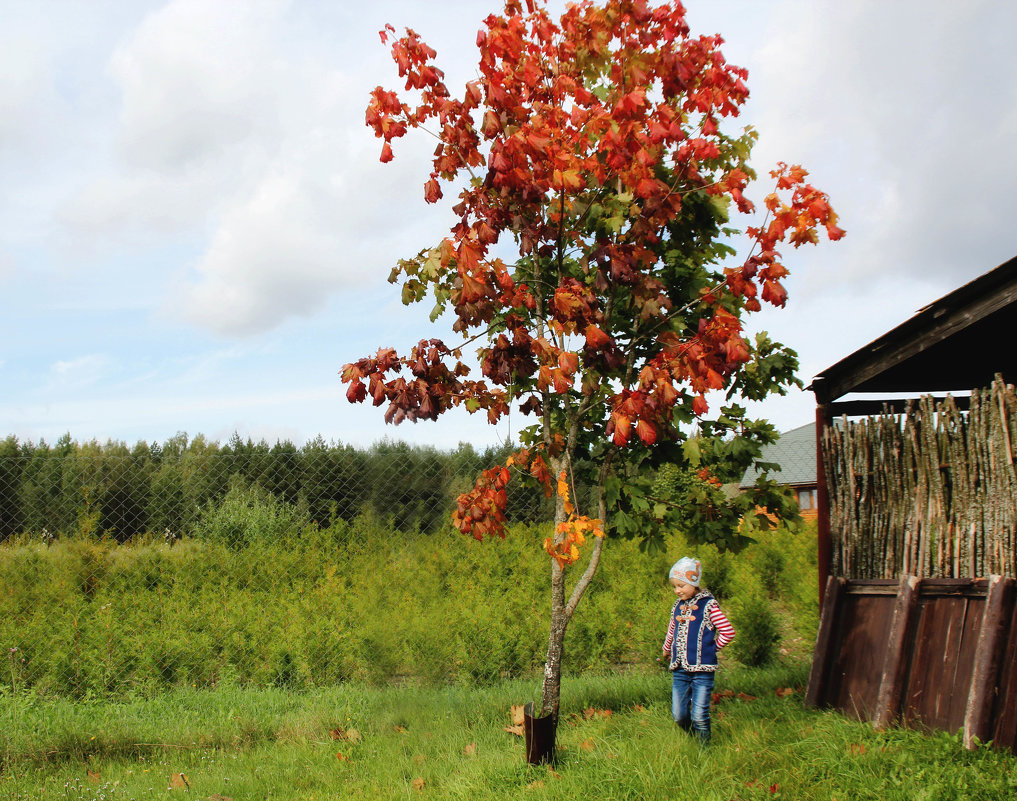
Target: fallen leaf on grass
(745, 697)
(218, 797)
(857, 748)
(639, 708)
(178, 781)
(342, 757)
(774, 788)
(587, 744)
(720, 696)
(554, 774)
(418, 783)
(349, 735)
(470, 750)
(93, 776)
(400, 729)
(516, 730)
(535, 785)
(517, 712)
(590, 713)
(784, 692)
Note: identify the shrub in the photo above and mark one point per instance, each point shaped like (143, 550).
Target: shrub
(757, 628)
(248, 514)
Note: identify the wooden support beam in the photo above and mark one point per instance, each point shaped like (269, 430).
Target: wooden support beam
(891, 688)
(824, 640)
(985, 674)
(824, 545)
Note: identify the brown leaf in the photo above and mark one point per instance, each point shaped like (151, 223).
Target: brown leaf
(590, 713)
(418, 783)
(178, 781)
(857, 748)
(516, 730)
(587, 744)
(535, 785)
(745, 697)
(639, 708)
(400, 729)
(93, 776)
(553, 773)
(470, 750)
(342, 757)
(784, 692)
(517, 713)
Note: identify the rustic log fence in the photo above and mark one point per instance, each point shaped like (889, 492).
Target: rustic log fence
(931, 492)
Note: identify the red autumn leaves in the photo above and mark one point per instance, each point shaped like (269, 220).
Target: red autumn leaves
(590, 141)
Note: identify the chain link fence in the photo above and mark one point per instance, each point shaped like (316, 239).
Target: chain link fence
(192, 564)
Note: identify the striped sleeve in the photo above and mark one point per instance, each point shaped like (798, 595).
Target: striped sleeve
(669, 639)
(725, 631)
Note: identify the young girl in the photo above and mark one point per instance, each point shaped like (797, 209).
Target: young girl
(696, 631)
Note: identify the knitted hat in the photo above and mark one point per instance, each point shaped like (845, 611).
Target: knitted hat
(687, 569)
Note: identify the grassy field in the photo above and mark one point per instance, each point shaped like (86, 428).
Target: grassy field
(616, 741)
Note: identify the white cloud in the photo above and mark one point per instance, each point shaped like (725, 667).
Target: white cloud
(78, 372)
(226, 128)
(911, 109)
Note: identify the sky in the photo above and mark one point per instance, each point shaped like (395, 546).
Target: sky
(195, 229)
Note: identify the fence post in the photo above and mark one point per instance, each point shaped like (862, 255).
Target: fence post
(891, 685)
(984, 675)
(824, 545)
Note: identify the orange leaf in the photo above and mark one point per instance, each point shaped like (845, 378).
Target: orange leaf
(516, 730)
(587, 744)
(418, 783)
(470, 750)
(178, 781)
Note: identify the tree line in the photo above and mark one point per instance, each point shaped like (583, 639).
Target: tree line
(118, 491)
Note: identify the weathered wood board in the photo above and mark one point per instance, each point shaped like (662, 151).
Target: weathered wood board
(927, 653)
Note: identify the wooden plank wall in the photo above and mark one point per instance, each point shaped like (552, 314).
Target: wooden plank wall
(925, 653)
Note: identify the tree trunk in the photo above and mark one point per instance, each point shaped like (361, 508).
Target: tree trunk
(551, 690)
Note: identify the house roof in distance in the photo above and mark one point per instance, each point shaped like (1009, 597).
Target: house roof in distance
(958, 342)
(795, 452)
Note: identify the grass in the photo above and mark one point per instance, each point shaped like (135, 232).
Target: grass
(450, 743)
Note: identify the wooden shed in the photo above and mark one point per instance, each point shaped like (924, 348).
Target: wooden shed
(917, 520)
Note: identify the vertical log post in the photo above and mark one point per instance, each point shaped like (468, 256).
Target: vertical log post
(985, 674)
(824, 640)
(891, 686)
(824, 546)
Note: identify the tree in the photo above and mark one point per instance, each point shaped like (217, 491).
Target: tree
(595, 144)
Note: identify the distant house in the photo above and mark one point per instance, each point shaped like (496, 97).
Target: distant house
(795, 452)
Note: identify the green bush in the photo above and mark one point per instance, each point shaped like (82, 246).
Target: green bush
(265, 599)
(248, 514)
(757, 629)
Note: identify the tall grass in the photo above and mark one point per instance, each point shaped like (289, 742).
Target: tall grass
(260, 601)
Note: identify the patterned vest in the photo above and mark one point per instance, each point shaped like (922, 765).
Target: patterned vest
(694, 646)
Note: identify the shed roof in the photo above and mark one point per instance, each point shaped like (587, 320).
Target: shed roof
(959, 342)
(795, 452)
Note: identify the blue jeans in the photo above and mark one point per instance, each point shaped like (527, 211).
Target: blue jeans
(690, 702)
